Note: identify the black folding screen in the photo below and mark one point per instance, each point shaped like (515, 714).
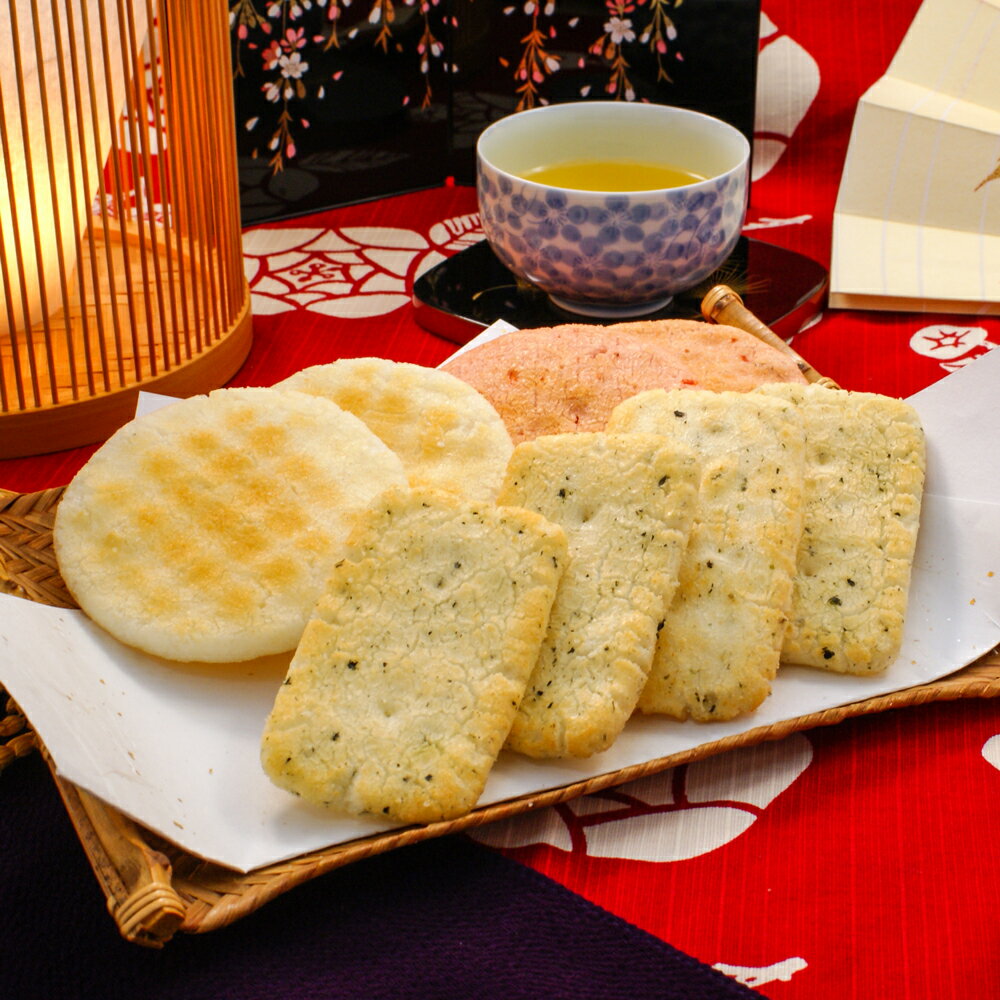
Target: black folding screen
(339, 101)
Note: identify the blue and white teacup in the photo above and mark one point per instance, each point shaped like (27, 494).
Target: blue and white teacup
(613, 252)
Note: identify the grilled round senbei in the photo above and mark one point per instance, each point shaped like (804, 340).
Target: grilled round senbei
(206, 530)
(445, 432)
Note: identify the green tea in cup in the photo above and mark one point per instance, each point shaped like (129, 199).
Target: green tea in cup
(611, 175)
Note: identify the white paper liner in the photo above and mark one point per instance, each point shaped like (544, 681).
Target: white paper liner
(176, 746)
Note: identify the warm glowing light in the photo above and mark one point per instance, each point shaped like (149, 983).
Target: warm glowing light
(62, 83)
(120, 250)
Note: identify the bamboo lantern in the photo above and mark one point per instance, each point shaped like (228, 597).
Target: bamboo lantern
(120, 253)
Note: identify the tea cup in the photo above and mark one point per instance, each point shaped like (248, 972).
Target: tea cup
(615, 250)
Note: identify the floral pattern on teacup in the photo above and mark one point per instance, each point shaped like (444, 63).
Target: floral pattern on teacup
(623, 249)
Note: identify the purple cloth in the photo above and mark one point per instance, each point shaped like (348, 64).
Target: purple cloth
(447, 918)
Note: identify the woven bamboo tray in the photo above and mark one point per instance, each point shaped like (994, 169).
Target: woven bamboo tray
(155, 890)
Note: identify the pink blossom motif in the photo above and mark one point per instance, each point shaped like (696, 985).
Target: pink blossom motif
(952, 346)
(283, 55)
(619, 33)
(536, 62)
(298, 78)
(271, 55)
(351, 272)
(295, 8)
(679, 814)
(620, 30)
(293, 66)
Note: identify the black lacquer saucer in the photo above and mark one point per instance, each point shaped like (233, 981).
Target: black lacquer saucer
(463, 295)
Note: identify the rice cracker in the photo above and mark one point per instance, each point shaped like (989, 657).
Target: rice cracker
(625, 502)
(719, 649)
(865, 464)
(205, 530)
(569, 378)
(404, 686)
(445, 432)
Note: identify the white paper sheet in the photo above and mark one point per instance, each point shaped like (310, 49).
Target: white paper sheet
(917, 221)
(176, 746)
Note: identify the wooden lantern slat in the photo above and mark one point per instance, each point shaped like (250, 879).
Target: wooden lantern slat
(146, 288)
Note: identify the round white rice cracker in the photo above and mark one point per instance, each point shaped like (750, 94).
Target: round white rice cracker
(205, 530)
(447, 434)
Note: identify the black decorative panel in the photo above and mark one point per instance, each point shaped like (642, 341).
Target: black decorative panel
(338, 101)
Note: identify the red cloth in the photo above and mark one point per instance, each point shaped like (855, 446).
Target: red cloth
(872, 873)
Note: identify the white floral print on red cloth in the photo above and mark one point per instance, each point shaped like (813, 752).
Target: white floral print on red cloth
(787, 83)
(952, 346)
(351, 271)
(760, 975)
(991, 751)
(678, 814)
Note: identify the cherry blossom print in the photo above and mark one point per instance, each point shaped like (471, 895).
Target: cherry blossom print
(284, 56)
(383, 13)
(679, 814)
(619, 29)
(952, 346)
(283, 59)
(788, 80)
(622, 29)
(660, 31)
(617, 33)
(244, 19)
(292, 42)
(286, 39)
(429, 47)
(351, 272)
(536, 62)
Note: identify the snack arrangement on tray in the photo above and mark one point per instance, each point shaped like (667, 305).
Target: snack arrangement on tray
(554, 531)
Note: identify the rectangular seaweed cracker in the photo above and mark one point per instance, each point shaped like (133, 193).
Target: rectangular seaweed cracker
(865, 464)
(719, 649)
(402, 691)
(625, 502)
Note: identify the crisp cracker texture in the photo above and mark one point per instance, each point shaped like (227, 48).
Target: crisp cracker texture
(205, 530)
(720, 647)
(626, 502)
(865, 463)
(406, 681)
(568, 378)
(448, 436)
